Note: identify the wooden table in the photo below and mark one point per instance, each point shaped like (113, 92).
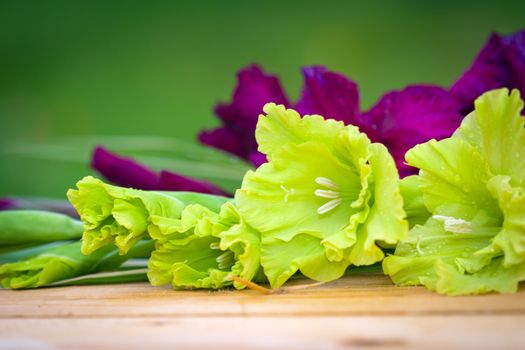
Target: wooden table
(363, 312)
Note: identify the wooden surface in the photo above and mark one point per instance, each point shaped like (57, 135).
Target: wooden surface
(364, 312)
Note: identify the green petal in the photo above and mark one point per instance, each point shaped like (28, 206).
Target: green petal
(415, 258)
(214, 247)
(243, 241)
(184, 263)
(496, 129)
(125, 216)
(281, 126)
(511, 239)
(281, 260)
(494, 277)
(278, 199)
(386, 222)
(413, 203)
(452, 178)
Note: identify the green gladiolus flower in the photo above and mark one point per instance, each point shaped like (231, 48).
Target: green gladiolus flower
(326, 199)
(125, 216)
(208, 249)
(473, 184)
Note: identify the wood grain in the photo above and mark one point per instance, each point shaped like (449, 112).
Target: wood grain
(355, 312)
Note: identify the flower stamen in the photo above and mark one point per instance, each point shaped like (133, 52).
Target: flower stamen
(454, 225)
(326, 182)
(225, 260)
(333, 192)
(327, 194)
(325, 208)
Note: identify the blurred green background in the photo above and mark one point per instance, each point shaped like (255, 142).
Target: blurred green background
(71, 68)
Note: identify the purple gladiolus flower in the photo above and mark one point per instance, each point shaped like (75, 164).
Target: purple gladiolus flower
(402, 119)
(326, 93)
(253, 91)
(500, 63)
(126, 172)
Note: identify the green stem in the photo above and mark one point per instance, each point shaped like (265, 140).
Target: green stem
(113, 277)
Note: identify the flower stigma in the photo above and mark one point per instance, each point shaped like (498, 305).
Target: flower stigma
(287, 192)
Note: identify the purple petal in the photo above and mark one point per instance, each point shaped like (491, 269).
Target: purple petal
(403, 119)
(224, 139)
(123, 171)
(329, 94)
(8, 204)
(257, 158)
(174, 182)
(514, 46)
(254, 89)
(126, 172)
(500, 63)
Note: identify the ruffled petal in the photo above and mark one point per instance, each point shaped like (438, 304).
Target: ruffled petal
(500, 63)
(254, 89)
(125, 215)
(416, 114)
(329, 94)
(215, 247)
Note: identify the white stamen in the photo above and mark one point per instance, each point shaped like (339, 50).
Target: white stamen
(329, 206)
(326, 182)
(215, 246)
(454, 225)
(327, 194)
(225, 260)
(224, 256)
(287, 192)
